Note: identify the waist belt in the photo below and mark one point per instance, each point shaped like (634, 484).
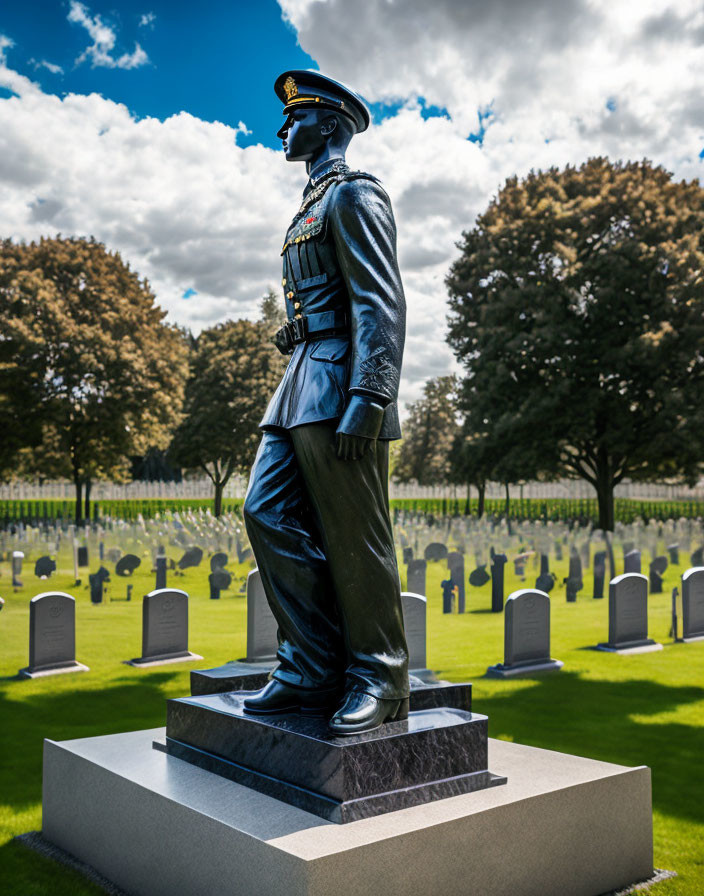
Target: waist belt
(311, 327)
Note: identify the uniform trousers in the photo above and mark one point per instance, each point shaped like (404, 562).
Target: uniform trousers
(321, 534)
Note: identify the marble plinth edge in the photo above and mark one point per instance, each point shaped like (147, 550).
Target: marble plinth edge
(691, 640)
(57, 670)
(163, 826)
(146, 662)
(501, 671)
(645, 647)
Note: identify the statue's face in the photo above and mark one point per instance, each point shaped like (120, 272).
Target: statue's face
(301, 135)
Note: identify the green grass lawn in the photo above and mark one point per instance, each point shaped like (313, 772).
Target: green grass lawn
(640, 710)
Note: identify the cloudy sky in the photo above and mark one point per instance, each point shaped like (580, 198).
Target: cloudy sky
(151, 125)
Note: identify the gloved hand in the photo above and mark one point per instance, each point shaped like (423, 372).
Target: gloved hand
(359, 427)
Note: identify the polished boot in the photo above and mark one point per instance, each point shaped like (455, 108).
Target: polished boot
(363, 712)
(277, 697)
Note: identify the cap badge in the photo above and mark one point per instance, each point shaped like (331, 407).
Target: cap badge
(290, 88)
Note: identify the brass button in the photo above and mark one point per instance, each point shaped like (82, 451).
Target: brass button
(296, 305)
(289, 295)
(283, 282)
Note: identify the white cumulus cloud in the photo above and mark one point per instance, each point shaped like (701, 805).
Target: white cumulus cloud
(100, 52)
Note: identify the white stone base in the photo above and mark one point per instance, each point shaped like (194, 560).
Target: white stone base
(147, 664)
(501, 671)
(160, 826)
(628, 651)
(691, 640)
(62, 670)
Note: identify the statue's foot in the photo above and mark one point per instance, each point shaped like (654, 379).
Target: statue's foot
(277, 697)
(362, 712)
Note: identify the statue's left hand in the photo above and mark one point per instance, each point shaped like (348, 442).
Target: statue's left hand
(351, 447)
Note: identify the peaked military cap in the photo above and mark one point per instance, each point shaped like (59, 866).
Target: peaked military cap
(299, 88)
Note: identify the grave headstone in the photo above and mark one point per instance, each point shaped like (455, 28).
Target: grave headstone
(673, 611)
(674, 552)
(96, 582)
(479, 576)
(693, 604)
(546, 580)
(192, 557)
(574, 580)
(628, 616)
(435, 551)
(219, 580)
(415, 624)
(126, 565)
(498, 561)
(2, 603)
(17, 558)
(416, 576)
(657, 571)
(697, 557)
(526, 636)
(160, 572)
(448, 595)
(243, 554)
(631, 561)
(52, 636)
(407, 555)
(82, 556)
(44, 567)
(599, 574)
(455, 563)
(164, 629)
(262, 628)
(585, 553)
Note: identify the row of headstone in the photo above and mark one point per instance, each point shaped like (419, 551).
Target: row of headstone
(52, 632)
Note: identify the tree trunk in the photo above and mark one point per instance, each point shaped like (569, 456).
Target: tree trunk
(508, 508)
(468, 502)
(86, 500)
(79, 488)
(480, 503)
(605, 495)
(219, 489)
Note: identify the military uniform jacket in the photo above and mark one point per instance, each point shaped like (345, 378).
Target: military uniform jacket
(340, 274)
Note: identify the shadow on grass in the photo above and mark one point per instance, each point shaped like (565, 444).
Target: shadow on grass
(570, 714)
(65, 716)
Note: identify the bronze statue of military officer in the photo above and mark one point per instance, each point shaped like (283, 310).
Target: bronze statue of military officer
(317, 506)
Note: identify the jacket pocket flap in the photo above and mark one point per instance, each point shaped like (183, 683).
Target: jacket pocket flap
(330, 349)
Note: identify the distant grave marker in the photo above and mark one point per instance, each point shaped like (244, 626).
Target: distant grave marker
(126, 565)
(631, 562)
(628, 616)
(164, 629)
(44, 567)
(599, 574)
(52, 636)
(262, 628)
(498, 561)
(416, 576)
(526, 636)
(693, 604)
(435, 551)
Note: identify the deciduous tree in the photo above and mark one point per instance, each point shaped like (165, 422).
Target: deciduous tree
(577, 312)
(86, 360)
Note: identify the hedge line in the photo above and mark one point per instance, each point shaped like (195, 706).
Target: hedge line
(626, 510)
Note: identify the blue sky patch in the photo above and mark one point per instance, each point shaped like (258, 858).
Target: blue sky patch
(189, 293)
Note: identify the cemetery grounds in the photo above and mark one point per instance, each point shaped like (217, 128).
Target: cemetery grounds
(645, 709)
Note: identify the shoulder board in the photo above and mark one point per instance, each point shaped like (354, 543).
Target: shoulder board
(358, 175)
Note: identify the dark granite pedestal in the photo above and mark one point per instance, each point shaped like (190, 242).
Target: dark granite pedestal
(435, 753)
(241, 676)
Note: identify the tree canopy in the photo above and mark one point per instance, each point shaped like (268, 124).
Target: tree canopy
(234, 369)
(88, 368)
(577, 313)
(428, 434)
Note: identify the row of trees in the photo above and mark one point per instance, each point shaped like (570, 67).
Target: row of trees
(577, 318)
(92, 375)
(576, 314)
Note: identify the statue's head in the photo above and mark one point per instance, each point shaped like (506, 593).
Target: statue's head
(321, 114)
